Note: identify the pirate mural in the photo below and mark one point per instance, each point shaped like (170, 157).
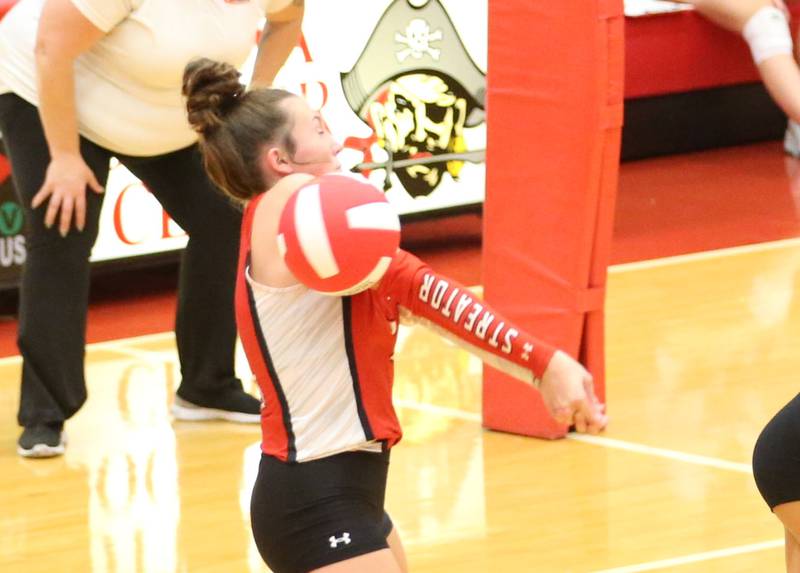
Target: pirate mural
(418, 89)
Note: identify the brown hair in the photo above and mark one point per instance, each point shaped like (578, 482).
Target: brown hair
(234, 125)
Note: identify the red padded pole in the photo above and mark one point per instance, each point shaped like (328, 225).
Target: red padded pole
(555, 97)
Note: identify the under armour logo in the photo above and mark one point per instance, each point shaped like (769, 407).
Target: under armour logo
(527, 348)
(335, 541)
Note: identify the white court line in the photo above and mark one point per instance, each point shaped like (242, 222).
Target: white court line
(439, 410)
(146, 355)
(117, 345)
(156, 337)
(594, 440)
(696, 557)
(704, 255)
(10, 359)
(662, 453)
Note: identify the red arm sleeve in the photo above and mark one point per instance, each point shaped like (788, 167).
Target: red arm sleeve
(455, 312)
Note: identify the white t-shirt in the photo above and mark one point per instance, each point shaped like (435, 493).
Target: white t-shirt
(128, 84)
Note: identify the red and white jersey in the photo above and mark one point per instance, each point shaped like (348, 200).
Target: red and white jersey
(324, 364)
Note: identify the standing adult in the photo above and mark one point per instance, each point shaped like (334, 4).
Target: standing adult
(86, 80)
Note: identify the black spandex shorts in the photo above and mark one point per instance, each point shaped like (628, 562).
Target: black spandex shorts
(311, 514)
(776, 458)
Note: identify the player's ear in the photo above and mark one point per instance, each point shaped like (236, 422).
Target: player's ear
(275, 160)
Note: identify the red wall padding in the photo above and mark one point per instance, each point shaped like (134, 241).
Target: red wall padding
(555, 98)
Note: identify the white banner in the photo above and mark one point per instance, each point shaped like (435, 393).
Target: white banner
(401, 83)
(132, 221)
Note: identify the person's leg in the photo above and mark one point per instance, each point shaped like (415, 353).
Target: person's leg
(54, 285)
(789, 514)
(792, 552)
(205, 327)
(781, 77)
(382, 561)
(776, 469)
(729, 14)
(399, 552)
(768, 35)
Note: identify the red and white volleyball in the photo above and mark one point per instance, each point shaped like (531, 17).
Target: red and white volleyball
(338, 234)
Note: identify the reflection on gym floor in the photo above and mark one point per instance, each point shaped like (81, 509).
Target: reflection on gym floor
(701, 352)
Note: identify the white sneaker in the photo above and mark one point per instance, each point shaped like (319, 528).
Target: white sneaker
(188, 412)
(791, 140)
(42, 441)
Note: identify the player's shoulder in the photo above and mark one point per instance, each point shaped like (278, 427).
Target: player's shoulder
(290, 183)
(277, 195)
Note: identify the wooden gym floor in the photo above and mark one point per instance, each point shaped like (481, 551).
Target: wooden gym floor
(703, 326)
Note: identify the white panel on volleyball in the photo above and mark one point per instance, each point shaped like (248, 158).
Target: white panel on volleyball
(379, 270)
(312, 233)
(379, 216)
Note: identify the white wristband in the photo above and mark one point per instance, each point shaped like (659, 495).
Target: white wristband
(767, 32)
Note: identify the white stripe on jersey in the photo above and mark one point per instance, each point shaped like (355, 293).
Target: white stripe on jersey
(304, 333)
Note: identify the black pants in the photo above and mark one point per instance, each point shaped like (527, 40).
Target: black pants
(55, 280)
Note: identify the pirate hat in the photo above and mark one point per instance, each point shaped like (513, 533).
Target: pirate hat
(413, 36)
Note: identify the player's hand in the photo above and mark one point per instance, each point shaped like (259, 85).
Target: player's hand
(65, 185)
(568, 393)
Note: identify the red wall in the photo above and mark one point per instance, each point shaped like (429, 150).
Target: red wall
(682, 51)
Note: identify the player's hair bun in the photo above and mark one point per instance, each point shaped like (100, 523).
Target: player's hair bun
(212, 89)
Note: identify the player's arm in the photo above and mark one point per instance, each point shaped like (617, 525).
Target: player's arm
(456, 313)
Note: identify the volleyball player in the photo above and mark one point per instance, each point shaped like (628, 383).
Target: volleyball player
(324, 363)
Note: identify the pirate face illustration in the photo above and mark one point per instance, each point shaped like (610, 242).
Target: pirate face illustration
(417, 118)
(418, 89)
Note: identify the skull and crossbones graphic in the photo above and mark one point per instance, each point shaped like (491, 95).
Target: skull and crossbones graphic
(418, 38)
